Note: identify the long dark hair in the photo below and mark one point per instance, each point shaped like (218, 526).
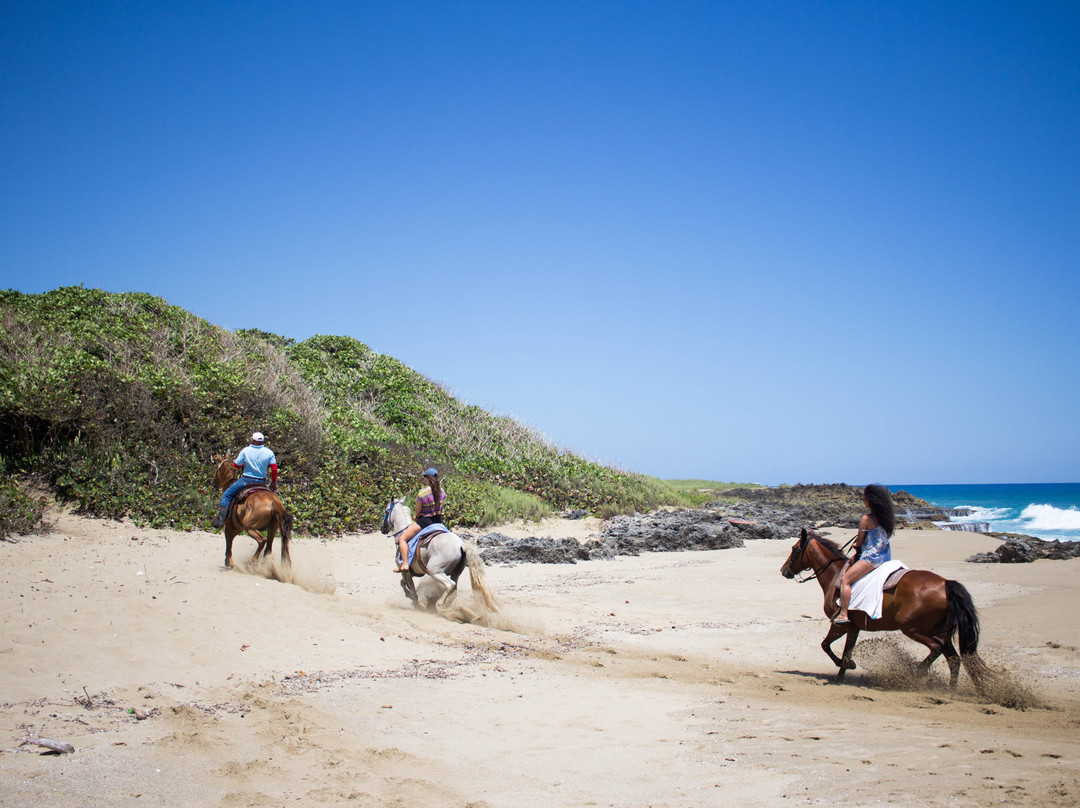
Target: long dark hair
(436, 491)
(881, 507)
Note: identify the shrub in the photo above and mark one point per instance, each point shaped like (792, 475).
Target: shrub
(120, 402)
(20, 514)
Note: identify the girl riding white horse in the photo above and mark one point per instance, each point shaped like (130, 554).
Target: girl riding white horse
(441, 554)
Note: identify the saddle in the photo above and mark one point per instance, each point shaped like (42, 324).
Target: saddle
(894, 579)
(247, 491)
(868, 592)
(422, 541)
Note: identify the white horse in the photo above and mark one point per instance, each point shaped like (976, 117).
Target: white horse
(444, 556)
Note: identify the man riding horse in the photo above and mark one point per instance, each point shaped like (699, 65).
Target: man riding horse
(253, 462)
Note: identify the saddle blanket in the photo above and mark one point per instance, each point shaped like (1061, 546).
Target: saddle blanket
(867, 593)
(248, 490)
(422, 538)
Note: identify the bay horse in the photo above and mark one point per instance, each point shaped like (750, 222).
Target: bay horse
(444, 557)
(259, 510)
(923, 606)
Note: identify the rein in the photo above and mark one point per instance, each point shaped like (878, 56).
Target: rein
(825, 566)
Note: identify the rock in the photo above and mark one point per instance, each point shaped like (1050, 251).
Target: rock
(1021, 549)
(533, 550)
(1016, 552)
(669, 531)
(837, 504)
(664, 531)
(487, 540)
(1059, 550)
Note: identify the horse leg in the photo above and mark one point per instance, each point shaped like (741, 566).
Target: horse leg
(230, 534)
(259, 538)
(442, 605)
(847, 662)
(450, 587)
(459, 613)
(268, 549)
(410, 588)
(931, 642)
(835, 633)
(953, 659)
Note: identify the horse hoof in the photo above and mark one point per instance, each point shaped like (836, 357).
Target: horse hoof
(849, 664)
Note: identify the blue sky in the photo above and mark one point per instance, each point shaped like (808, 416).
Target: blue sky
(771, 242)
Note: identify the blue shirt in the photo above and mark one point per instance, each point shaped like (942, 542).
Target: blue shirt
(256, 461)
(876, 547)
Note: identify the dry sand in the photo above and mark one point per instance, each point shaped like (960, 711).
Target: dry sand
(686, 679)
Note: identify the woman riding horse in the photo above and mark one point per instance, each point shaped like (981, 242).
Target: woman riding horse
(923, 605)
(871, 543)
(429, 505)
(444, 558)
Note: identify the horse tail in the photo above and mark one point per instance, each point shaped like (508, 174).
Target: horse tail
(961, 615)
(476, 574)
(285, 522)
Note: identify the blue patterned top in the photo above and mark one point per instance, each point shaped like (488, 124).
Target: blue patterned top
(875, 547)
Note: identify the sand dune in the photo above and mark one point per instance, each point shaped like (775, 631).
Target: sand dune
(669, 679)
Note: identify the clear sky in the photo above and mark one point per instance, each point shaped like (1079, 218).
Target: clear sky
(770, 242)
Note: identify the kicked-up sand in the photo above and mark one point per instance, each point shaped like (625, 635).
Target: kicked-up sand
(669, 679)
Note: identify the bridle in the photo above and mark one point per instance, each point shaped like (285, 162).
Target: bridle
(386, 521)
(815, 573)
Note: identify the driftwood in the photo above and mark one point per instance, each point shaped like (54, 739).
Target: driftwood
(56, 746)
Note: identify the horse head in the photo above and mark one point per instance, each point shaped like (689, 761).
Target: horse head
(796, 560)
(224, 472)
(397, 516)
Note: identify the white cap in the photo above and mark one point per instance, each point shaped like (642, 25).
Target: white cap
(258, 437)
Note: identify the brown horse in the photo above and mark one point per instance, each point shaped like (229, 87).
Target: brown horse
(260, 510)
(923, 605)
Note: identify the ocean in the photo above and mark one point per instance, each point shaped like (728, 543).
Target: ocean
(1044, 510)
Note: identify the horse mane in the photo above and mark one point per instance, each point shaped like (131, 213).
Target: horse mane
(829, 544)
(224, 472)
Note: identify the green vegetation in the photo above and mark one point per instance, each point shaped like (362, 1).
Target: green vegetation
(698, 492)
(19, 513)
(119, 402)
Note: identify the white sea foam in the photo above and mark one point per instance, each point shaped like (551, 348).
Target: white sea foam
(981, 514)
(1047, 517)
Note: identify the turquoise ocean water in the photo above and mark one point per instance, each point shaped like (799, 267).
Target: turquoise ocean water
(1045, 510)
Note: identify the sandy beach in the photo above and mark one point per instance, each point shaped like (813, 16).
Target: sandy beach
(669, 679)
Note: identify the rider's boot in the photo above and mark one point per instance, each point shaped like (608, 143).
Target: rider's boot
(219, 520)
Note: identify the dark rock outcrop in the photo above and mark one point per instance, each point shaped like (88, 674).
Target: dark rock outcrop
(495, 547)
(1021, 549)
(667, 531)
(663, 531)
(835, 504)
